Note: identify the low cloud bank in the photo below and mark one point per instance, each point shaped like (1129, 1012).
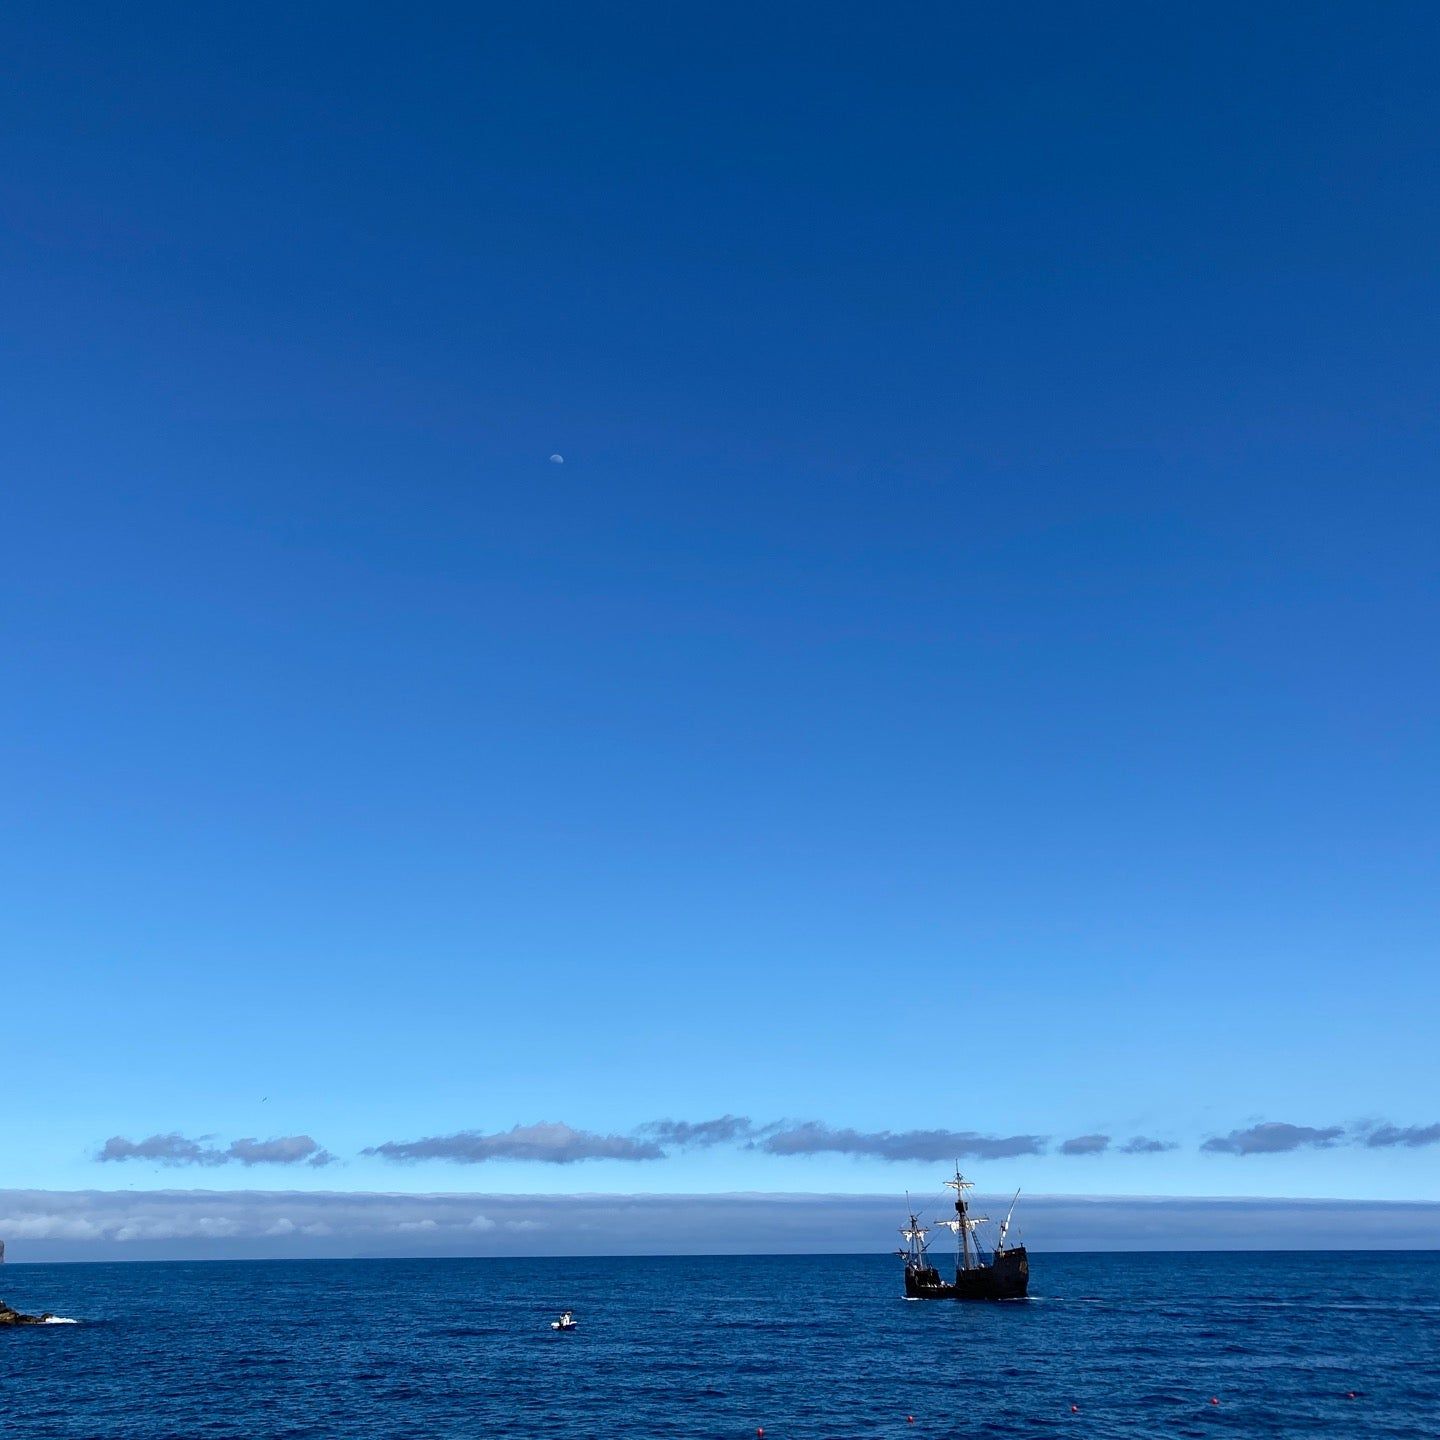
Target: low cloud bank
(43, 1225)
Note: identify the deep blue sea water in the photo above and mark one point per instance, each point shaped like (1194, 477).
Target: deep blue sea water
(803, 1346)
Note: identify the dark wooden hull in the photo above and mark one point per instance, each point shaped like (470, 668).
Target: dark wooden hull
(1008, 1278)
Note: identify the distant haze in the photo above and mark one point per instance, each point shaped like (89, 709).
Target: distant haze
(199, 1224)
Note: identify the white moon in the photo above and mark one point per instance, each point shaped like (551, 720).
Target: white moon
(557, 459)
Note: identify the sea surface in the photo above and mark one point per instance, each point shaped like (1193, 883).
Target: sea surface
(805, 1346)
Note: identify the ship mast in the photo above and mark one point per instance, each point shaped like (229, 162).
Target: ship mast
(964, 1222)
(914, 1236)
(1005, 1224)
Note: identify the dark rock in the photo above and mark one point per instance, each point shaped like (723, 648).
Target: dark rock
(14, 1317)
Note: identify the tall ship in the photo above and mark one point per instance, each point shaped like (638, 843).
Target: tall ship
(1000, 1273)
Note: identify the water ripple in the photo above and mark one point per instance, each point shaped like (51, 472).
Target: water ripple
(810, 1348)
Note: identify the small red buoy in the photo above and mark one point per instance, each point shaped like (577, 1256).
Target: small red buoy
(1349, 1394)
(1213, 1400)
(909, 1419)
(1074, 1409)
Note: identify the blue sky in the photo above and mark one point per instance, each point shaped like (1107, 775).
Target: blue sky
(972, 670)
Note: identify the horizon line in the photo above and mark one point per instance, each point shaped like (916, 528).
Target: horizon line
(561, 1258)
(678, 1195)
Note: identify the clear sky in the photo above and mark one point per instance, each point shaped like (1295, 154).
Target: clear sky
(972, 669)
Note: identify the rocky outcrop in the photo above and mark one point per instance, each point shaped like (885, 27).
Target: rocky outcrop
(14, 1317)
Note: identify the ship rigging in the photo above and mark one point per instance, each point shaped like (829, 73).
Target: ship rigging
(1004, 1275)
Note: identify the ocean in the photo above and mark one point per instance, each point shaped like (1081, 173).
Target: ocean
(811, 1346)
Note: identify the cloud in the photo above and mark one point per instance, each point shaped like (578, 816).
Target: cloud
(1144, 1145)
(286, 1226)
(175, 1149)
(724, 1130)
(814, 1138)
(169, 1149)
(51, 1226)
(1086, 1145)
(554, 1143)
(287, 1150)
(183, 1227)
(549, 1141)
(1273, 1137)
(1380, 1136)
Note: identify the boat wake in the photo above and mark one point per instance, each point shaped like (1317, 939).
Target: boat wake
(58, 1320)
